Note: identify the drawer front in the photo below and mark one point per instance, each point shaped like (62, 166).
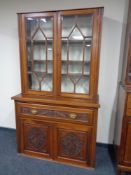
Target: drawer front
(68, 114)
(129, 101)
(128, 111)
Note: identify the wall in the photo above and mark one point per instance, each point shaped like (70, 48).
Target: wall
(111, 53)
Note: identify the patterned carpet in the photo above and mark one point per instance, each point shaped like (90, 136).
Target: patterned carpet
(12, 163)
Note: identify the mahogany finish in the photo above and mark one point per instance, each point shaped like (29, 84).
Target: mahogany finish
(53, 124)
(124, 107)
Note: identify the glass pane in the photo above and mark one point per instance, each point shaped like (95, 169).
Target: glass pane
(82, 85)
(76, 43)
(67, 85)
(83, 21)
(85, 24)
(67, 25)
(39, 38)
(33, 82)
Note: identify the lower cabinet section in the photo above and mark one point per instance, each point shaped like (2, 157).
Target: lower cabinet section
(124, 164)
(124, 130)
(63, 142)
(127, 154)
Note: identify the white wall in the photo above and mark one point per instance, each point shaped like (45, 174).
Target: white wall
(111, 54)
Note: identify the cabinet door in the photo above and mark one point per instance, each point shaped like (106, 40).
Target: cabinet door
(79, 32)
(73, 144)
(35, 138)
(37, 36)
(127, 155)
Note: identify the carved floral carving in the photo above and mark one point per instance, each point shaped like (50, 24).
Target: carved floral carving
(36, 139)
(71, 145)
(53, 113)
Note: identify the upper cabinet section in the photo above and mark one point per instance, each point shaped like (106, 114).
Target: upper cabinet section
(128, 72)
(60, 52)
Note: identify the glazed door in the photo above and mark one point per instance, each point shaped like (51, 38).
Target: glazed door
(78, 36)
(38, 56)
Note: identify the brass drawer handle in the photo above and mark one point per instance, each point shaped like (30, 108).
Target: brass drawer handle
(72, 116)
(34, 111)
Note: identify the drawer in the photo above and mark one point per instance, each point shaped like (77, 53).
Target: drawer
(53, 112)
(129, 101)
(128, 110)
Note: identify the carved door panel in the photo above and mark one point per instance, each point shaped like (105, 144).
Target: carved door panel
(72, 144)
(36, 138)
(127, 155)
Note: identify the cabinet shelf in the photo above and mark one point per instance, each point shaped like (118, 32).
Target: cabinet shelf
(63, 74)
(40, 61)
(39, 72)
(38, 41)
(63, 40)
(63, 61)
(76, 74)
(76, 61)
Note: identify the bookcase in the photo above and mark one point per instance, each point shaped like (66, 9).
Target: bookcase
(123, 129)
(56, 113)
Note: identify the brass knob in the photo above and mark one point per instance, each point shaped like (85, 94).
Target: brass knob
(34, 111)
(72, 115)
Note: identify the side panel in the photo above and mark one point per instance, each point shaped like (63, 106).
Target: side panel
(120, 114)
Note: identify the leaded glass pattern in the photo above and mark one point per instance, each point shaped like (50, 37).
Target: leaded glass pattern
(76, 42)
(39, 42)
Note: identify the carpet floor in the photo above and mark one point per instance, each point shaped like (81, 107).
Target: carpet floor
(12, 163)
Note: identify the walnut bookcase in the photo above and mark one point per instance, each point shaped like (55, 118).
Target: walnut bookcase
(56, 113)
(123, 129)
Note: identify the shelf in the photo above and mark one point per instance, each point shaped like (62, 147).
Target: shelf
(64, 39)
(63, 74)
(87, 40)
(37, 72)
(70, 61)
(76, 61)
(39, 61)
(76, 74)
(39, 41)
